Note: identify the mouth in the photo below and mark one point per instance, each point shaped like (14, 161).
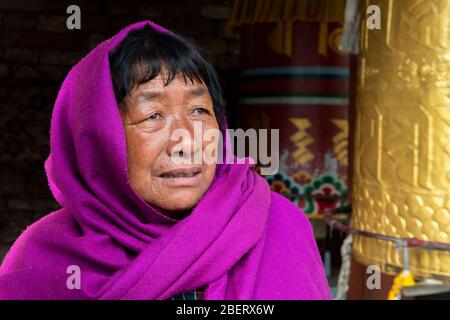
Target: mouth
(181, 173)
(182, 177)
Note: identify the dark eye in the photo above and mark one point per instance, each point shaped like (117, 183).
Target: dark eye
(200, 111)
(155, 116)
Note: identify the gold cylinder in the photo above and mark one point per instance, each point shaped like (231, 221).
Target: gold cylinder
(402, 137)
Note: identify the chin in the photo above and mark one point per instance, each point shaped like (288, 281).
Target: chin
(179, 203)
(182, 206)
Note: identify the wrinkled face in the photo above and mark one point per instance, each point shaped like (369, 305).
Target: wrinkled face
(163, 165)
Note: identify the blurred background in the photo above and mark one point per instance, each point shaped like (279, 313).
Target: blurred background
(359, 89)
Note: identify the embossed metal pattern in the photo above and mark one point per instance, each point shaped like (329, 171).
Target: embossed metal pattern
(402, 146)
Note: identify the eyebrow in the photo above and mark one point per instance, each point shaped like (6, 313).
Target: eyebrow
(148, 95)
(153, 94)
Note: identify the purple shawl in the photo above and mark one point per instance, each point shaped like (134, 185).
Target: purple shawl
(241, 241)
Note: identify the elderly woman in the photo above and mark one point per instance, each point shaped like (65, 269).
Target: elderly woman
(135, 223)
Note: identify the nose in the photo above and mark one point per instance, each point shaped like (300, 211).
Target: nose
(185, 141)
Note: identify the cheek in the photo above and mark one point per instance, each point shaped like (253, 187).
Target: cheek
(141, 155)
(210, 141)
(209, 176)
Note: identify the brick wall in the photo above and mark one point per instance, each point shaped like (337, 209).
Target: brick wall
(37, 51)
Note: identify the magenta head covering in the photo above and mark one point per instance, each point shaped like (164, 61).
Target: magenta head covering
(241, 241)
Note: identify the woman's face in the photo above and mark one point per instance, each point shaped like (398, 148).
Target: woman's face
(161, 165)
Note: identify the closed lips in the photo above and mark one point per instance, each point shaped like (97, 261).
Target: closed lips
(181, 173)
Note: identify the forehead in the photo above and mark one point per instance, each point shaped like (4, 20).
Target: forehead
(181, 86)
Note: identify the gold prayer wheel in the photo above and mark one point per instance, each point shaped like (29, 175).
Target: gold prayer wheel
(402, 137)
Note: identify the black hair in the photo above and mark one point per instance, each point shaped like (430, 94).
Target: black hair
(142, 54)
